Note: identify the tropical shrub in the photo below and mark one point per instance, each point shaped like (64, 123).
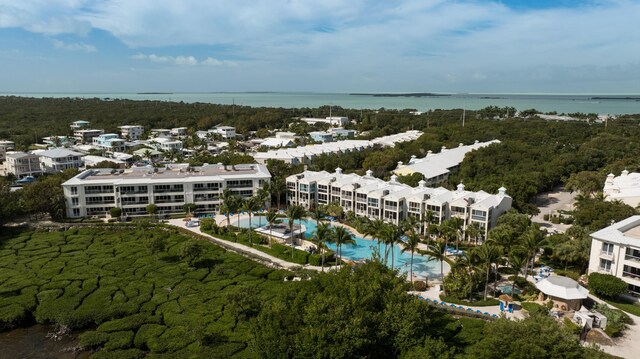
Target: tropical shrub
(606, 285)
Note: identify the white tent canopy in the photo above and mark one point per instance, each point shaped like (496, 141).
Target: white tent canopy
(562, 287)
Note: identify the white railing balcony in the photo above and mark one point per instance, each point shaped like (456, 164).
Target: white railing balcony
(607, 255)
(632, 258)
(604, 271)
(631, 275)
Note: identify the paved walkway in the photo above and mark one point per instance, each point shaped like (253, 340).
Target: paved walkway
(245, 250)
(551, 202)
(434, 293)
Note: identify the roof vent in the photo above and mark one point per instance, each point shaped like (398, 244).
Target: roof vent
(502, 191)
(338, 170)
(369, 173)
(422, 184)
(460, 187)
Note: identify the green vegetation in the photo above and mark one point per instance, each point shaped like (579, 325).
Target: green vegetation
(83, 278)
(535, 308)
(617, 320)
(626, 306)
(477, 303)
(606, 285)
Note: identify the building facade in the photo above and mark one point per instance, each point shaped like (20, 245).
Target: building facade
(615, 250)
(94, 192)
(80, 124)
(625, 188)
(86, 136)
(109, 142)
(394, 202)
(131, 132)
(227, 132)
(59, 159)
(22, 164)
(5, 146)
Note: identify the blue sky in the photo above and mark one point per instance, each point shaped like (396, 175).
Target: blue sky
(320, 45)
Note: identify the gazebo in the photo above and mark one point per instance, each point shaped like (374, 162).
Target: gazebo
(565, 292)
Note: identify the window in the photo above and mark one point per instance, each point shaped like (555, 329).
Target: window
(478, 215)
(74, 190)
(76, 212)
(605, 265)
(607, 248)
(74, 201)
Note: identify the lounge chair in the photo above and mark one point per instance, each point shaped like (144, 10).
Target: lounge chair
(469, 310)
(479, 311)
(486, 313)
(453, 305)
(460, 307)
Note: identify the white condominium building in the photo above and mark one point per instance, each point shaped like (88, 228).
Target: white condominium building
(59, 159)
(22, 164)
(131, 132)
(615, 250)
(4, 147)
(94, 192)
(436, 167)
(227, 132)
(393, 201)
(625, 188)
(86, 136)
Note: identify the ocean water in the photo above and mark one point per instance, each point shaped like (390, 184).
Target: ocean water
(561, 103)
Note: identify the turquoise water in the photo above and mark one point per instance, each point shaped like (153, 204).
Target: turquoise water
(363, 249)
(562, 103)
(506, 289)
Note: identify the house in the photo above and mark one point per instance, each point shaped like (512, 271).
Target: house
(341, 133)
(22, 164)
(131, 132)
(5, 146)
(436, 167)
(394, 202)
(615, 250)
(86, 136)
(109, 142)
(148, 154)
(78, 125)
(227, 132)
(91, 160)
(319, 136)
(167, 144)
(625, 188)
(59, 159)
(57, 141)
(95, 191)
(277, 142)
(160, 132)
(178, 131)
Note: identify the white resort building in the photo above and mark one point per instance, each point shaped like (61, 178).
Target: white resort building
(22, 164)
(615, 250)
(59, 159)
(436, 167)
(625, 188)
(131, 132)
(393, 201)
(95, 191)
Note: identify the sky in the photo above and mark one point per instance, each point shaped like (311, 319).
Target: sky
(507, 46)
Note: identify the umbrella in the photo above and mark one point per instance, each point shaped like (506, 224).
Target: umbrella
(505, 298)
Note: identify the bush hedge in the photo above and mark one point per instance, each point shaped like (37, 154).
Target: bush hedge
(606, 285)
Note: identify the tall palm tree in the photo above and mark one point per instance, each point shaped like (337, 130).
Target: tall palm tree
(293, 212)
(238, 204)
(474, 231)
(427, 219)
(272, 218)
(516, 262)
(250, 205)
(225, 208)
(342, 236)
(277, 186)
(411, 245)
(502, 237)
(469, 261)
(393, 235)
(323, 233)
(438, 251)
(532, 240)
(317, 213)
(488, 254)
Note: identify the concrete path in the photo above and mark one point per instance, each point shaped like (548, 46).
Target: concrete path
(246, 250)
(549, 203)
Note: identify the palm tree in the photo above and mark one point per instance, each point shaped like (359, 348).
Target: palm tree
(317, 213)
(474, 231)
(250, 205)
(438, 252)
(276, 187)
(488, 254)
(503, 237)
(469, 261)
(342, 236)
(293, 212)
(427, 219)
(532, 240)
(516, 262)
(323, 233)
(411, 245)
(272, 218)
(393, 235)
(225, 208)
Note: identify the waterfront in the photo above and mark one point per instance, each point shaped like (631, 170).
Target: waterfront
(562, 103)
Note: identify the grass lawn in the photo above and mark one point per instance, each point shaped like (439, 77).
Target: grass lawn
(627, 307)
(478, 303)
(134, 301)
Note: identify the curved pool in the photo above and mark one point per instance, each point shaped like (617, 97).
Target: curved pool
(423, 266)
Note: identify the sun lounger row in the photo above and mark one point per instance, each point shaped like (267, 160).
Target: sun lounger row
(436, 302)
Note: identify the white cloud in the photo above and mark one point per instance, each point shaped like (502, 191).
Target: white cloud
(74, 46)
(182, 60)
(210, 61)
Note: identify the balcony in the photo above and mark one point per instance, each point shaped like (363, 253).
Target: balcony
(168, 190)
(134, 203)
(98, 191)
(131, 193)
(604, 270)
(632, 258)
(391, 208)
(203, 189)
(633, 276)
(99, 203)
(606, 255)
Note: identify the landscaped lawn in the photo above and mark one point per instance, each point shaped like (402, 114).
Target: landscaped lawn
(627, 307)
(134, 301)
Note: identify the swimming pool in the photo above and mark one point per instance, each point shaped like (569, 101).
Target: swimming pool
(363, 249)
(506, 289)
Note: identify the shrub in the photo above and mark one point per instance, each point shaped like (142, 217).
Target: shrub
(315, 259)
(606, 285)
(92, 339)
(534, 308)
(115, 212)
(300, 257)
(147, 332)
(573, 327)
(208, 224)
(119, 340)
(420, 286)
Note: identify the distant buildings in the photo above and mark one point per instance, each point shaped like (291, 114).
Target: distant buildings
(22, 164)
(615, 250)
(393, 201)
(167, 144)
(625, 188)
(319, 136)
(78, 125)
(436, 167)
(94, 192)
(86, 136)
(109, 142)
(178, 131)
(5, 146)
(160, 132)
(304, 154)
(131, 132)
(333, 120)
(59, 159)
(227, 132)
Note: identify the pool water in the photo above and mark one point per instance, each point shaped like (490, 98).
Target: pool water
(423, 267)
(506, 289)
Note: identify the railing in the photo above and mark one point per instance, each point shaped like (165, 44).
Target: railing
(479, 218)
(631, 275)
(168, 190)
(606, 254)
(206, 189)
(604, 271)
(124, 193)
(100, 202)
(391, 208)
(97, 191)
(632, 258)
(136, 202)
